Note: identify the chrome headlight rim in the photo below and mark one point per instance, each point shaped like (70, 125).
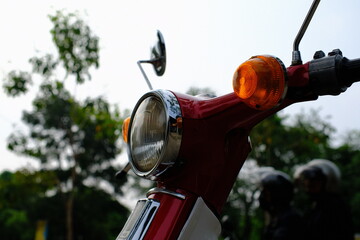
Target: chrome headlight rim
(173, 134)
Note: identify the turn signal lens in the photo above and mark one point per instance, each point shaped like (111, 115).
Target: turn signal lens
(260, 82)
(125, 129)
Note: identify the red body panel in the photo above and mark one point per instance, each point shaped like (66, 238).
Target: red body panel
(215, 141)
(214, 147)
(170, 217)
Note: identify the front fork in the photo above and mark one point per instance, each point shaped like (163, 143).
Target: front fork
(171, 215)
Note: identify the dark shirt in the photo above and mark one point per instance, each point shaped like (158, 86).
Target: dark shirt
(285, 225)
(330, 219)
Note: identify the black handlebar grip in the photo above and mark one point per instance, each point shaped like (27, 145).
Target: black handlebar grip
(350, 70)
(325, 76)
(333, 74)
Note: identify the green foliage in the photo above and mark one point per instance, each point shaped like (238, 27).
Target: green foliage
(61, 128)
(44, 65)
(97, 215)
(75, 140)
(17, 83)
(77, 46)
(20, 192)
(196, 91)
(347, 158)
(23, 203)
(285, 146)
(93, 225)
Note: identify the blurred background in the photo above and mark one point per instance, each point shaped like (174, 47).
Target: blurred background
(69, 78)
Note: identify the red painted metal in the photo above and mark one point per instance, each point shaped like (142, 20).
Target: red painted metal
(214, 147)
(298, 75)
(171, 215)
(215, 141)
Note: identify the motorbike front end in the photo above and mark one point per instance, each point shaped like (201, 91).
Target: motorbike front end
(194, 147)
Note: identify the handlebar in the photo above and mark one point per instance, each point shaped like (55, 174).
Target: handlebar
(333, 74)
(324, 75)
(350, 70)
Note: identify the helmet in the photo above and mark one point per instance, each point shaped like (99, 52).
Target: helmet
(320, 169)
(279, 188)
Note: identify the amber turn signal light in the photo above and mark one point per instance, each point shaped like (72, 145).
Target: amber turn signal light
(260, 82)
(125, 129)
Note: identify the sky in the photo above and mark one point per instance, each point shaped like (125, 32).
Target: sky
(205, 42)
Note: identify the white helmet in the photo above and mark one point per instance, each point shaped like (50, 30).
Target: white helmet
(327, 168)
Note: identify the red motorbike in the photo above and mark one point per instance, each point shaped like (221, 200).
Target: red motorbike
(194, 147)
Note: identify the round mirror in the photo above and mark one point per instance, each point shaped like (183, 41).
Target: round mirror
(158, 55)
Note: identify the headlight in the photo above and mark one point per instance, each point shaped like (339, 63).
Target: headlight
(154, 135)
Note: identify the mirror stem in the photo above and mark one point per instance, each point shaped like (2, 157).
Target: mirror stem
(143, 72)
(296, 57)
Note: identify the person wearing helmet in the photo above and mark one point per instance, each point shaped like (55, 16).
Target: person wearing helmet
(329, 217)
(284, 222)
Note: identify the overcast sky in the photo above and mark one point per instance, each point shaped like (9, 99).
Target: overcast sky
(205, 40)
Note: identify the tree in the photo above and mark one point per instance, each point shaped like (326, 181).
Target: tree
(27, 197)
(77, 140)
(196, 91)
(347, 158)
(241, 218)
(284, 146)
(20, 192)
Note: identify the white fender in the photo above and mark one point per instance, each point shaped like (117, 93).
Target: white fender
(202, 224)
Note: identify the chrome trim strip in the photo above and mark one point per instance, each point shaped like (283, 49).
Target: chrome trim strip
(162, 190)
(141, 223)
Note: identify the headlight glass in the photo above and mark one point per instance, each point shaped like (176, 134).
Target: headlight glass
(154, 134)
(148, 134)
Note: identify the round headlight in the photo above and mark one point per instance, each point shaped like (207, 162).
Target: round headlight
(154, 135)
(148, 134)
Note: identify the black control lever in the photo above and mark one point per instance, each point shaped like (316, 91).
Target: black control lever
(122, 173)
